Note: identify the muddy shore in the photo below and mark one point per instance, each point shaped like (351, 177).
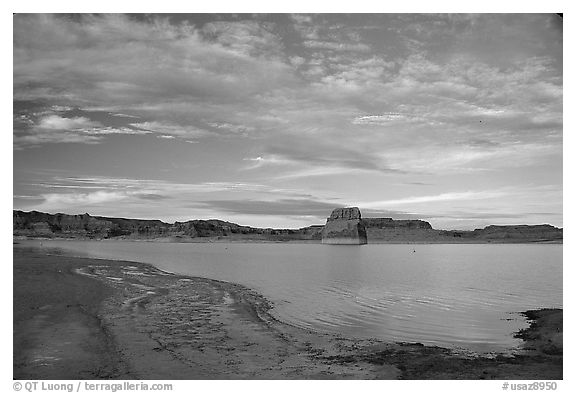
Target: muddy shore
(81, 318)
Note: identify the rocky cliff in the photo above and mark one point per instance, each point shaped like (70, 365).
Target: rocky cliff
(344, 226)
(85, 226)
(519, 232)
(374, 230)
(388, 223)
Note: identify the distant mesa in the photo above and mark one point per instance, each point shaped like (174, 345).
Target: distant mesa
(344, 226)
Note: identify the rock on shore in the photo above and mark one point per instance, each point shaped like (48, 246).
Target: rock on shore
(344, 226)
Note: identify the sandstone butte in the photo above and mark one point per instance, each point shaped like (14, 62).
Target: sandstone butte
(344, 226)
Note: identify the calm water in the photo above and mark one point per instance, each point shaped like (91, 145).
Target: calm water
(464, 295)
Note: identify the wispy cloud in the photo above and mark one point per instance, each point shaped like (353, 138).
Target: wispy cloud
(171, 130)
(55, 122)
(100, 195)
(284, 207)
(51, 126)
(448, 196)
(81, 199)
(381, 119)
(337, 46)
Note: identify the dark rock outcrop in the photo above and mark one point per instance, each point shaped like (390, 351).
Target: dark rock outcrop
(519, 232)
(388, 223)
(344, 226)
(85, 226)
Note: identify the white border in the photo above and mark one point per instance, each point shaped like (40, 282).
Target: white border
(303, 6)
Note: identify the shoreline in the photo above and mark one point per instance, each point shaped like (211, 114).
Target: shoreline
(158, 325)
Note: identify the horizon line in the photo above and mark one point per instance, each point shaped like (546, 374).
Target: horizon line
(230, 222)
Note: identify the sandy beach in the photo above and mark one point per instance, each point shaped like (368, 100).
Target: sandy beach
(81, 318)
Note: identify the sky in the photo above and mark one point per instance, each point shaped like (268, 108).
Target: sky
(274, 120)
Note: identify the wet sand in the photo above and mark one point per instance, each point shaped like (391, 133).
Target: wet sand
(80, 318)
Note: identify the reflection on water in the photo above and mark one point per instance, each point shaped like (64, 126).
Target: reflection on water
(464, 295)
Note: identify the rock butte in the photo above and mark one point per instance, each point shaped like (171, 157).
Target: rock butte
(344, 226)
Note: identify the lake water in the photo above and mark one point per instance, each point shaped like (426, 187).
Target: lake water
(453, 295)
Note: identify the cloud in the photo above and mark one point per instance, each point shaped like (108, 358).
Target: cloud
(55, 122)
(493, 217)
(147, 198)
(113, 131)
(152, 197)
(235, 129)
(337, 46)
(380, 119)
(301, 18)
(473, 155)
(302, 157)
(171, 73)
(513, 204)
(306, 25)
(81, 199)
(448, 196)
(245, 37)
(238, 79)
(37, 139)
(283, 207)
(320, 171)
(171, 130)
(36, 129)
(162, 187)
(124, 115)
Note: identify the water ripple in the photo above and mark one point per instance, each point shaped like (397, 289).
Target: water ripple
(459, 294)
